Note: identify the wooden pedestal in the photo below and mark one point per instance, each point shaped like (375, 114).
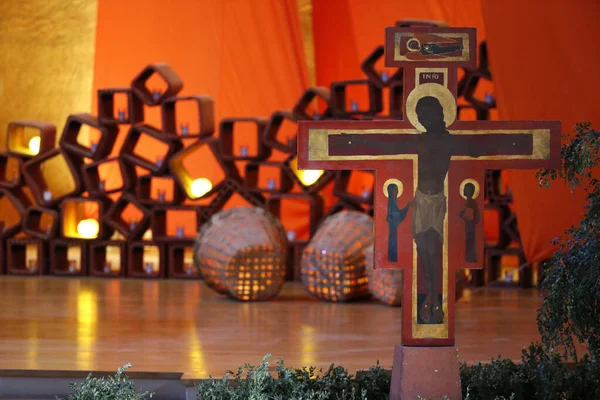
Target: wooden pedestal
(429, 372)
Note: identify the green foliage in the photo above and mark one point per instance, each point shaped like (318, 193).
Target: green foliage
(569, 312)
(118, 387)
(542, 375)
(257, 383)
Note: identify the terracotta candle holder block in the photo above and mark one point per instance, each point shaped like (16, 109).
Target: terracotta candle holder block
(2, 257)
(53, 176)
(230, 189)
(10, 172)
(108, 258)
(204, 184)
(344, 205)
(355, 186)
(369, 67)
(130, 152)
(68, 257)
(340, 97)
(14, 205)
(203, 119)
(146, 260)
(130, 229)
(27, 256)
(302, 109)
(99, 147)
(159, 190)
(169, 223)
(310, 181)
(22, 138)
(281, 131)
(131, 112)
(315, 207)
(76, 225)
(181, 261)
(95, 174)
(41, 223)
(267, 177)
(169, 78)
(247, 130)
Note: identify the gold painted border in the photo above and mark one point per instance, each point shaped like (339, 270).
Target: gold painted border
(444, 71)
(466, 46)
(318, 144)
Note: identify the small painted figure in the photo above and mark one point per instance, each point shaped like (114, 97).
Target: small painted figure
(394, 217)
(470, 214)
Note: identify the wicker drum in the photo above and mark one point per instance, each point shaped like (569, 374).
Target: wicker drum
(333, 263)
(242, 252)
(386, 285)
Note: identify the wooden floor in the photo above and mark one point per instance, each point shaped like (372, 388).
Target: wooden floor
(182, 326)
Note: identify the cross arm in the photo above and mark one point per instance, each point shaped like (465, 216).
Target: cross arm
(372, 144)
(508, 144)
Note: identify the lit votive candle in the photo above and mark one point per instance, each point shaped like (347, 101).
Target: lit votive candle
(185, 129)
(161, 195)
(149, 268)
(385, 76)
(159, 161)
(132, 225)
(489, 98)
(354, 105)
(291, 235)
(47, 195)
(180, 231)
(366, 192)
(101, 185)
(32, 266)
(156, 94)
(189, 270)
(271, 184)
(244, 151)
(93, 146)
(107, 268)
(72, 266)
(121, 114)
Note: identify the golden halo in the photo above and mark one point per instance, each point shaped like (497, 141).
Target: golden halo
(396, 182)
(436, 90)
(413, 40)
(464, 183)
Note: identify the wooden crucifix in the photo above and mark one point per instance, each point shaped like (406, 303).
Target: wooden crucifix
(429, 172)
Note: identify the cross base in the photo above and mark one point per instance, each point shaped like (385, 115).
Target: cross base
(429, 372)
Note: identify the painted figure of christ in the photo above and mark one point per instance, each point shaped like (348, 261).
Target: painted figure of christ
(434, 148)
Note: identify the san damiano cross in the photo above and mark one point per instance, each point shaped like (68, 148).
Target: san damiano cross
(429, 171)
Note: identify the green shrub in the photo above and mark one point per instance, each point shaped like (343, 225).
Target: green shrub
(570, 311)
(118, 387)
(256, 383)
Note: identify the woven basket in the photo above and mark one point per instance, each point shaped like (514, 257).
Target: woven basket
(333, 263)
(386, 285)
(242, 252)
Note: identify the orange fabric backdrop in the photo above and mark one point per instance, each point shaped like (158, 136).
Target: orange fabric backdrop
(544, 68)
(247, 55)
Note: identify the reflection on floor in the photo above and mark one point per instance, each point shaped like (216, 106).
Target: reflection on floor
(182, 326)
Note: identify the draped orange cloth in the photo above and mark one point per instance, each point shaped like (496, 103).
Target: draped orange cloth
(247, 55)
(544, 68)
